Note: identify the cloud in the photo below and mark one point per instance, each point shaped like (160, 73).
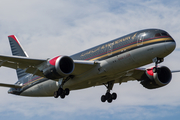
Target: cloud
(49, 28)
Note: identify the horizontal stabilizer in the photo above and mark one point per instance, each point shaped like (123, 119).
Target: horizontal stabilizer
(10, 85)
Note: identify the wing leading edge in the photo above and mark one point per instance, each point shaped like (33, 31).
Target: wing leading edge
(31, 65)
(28, 64)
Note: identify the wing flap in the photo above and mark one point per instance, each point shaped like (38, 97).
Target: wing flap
(131, 75)
(82, 66)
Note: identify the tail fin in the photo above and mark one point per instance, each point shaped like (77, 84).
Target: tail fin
(16, 47)
(17, 50)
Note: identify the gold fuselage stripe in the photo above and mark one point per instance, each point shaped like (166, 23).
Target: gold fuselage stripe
(32, 82)
(132, 46)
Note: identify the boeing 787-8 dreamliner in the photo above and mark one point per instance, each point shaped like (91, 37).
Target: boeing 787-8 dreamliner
(112, 62)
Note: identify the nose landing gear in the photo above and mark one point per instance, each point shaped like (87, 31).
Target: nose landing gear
(157, 60)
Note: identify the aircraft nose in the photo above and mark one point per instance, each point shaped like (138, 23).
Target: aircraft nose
(170, 45)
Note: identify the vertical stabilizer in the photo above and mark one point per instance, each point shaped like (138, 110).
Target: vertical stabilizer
(17, 50)
(16, 47)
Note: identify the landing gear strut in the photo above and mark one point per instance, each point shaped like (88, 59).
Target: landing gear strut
(157, 60)
(108, 96)
(62, 92)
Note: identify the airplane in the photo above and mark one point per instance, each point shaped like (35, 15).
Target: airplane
(116, 61)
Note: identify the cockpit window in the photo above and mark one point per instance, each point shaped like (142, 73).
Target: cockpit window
(165, 34)
(157, 34)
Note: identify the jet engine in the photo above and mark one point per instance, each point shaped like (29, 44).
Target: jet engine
(58, 67)
(153, 80)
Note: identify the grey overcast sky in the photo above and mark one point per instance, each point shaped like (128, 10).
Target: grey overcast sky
(64, 27)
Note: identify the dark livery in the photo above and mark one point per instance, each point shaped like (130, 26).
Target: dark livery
(113, 62)
(121, 45)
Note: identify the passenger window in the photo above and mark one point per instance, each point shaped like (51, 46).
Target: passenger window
(157, 34)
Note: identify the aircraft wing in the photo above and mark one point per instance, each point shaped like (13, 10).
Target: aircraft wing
(10, 85)
(131, 75)
(82, 66)
(135, 74)
(174, 71)
(31, 65)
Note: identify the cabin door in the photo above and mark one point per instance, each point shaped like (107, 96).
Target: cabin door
(140, 39)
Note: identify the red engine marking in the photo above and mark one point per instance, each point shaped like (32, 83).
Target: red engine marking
(150, 71)
(53, 60)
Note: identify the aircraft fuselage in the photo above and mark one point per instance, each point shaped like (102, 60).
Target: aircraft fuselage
(116, 58)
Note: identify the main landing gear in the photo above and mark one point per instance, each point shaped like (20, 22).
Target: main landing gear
(157, 60)
(108, 96)
(62, 92)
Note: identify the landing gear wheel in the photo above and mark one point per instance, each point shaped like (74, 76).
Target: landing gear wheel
(60, 91)
(56, 95)
(66, 91)
(109, 100)
(103, 98)
(62, 95)
(108, 95)
(114, 96)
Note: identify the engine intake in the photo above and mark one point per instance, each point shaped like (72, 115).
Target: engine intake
(155, 80)
(64, 65)
(59, 67)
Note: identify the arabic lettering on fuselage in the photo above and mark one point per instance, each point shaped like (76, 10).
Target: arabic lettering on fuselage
(105, 46)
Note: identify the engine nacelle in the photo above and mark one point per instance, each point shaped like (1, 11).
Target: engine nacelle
(155, 80)
(58, 67)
